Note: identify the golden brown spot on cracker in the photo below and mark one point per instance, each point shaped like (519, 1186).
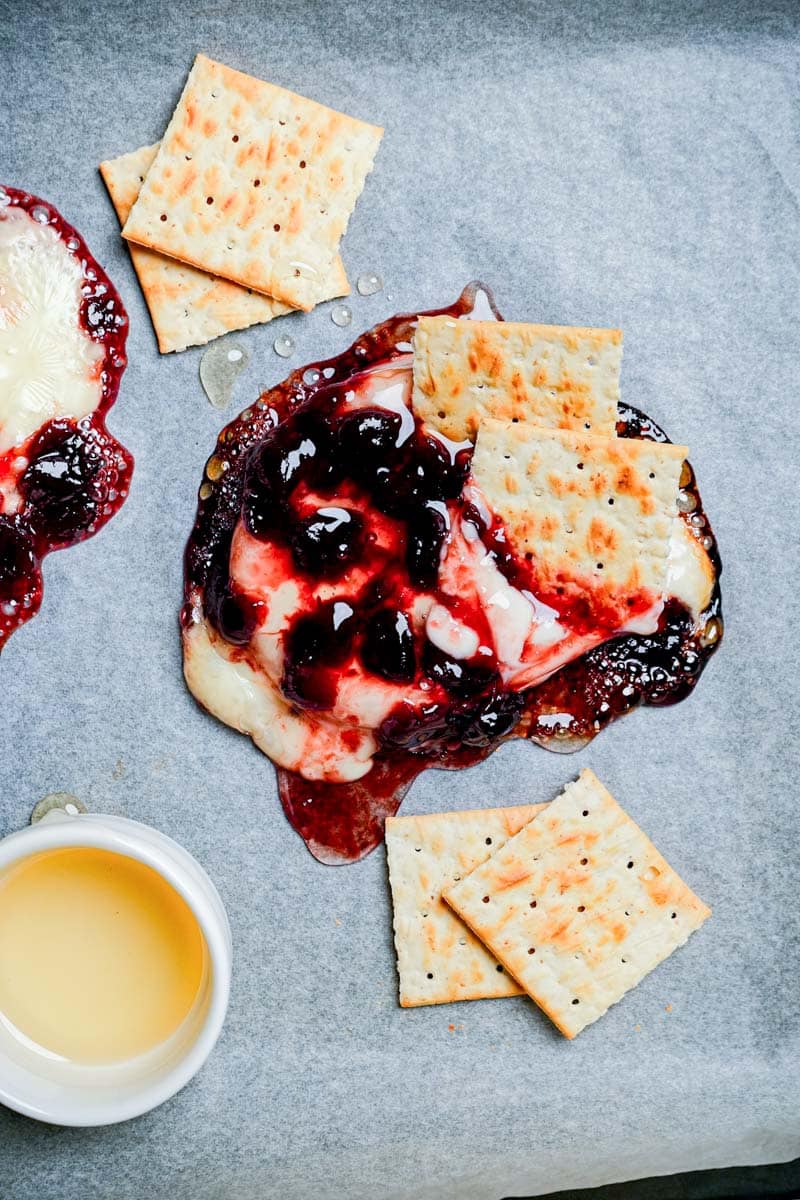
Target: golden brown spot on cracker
(295, 222)
(188, 180)
(209, 127)
(511, 878)
(601, 538)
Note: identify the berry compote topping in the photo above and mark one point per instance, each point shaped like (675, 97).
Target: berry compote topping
(332, 490)
(60, 482)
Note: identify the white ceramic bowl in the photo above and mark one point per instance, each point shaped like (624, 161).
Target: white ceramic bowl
(68, 1094)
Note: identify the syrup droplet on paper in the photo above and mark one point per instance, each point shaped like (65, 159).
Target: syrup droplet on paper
(341, 315)
(220, 366)
(283, 346)
(369, 283)
(311, 375)
(40, 214)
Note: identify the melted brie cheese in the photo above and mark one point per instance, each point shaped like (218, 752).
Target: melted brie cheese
(49, 366)
(528, 639)
(249, 701)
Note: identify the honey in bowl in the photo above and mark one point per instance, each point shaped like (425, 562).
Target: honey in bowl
(101, 960)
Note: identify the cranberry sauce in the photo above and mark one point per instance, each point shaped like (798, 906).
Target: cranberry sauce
(367, 464)
(72, 476)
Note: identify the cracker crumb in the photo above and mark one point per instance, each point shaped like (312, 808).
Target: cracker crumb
(336, 921)
(451, 1028)
(667, 1008)
(119, 769)
(637, 1028)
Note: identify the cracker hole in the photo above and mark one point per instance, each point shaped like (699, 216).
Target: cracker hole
(188, 157)
(141, 179)
(587, 425)
(630, 864)
(584, 861)
(281, 122)
(611, 500)
(235, 137)
(673, 916)
(533, 904)
(499, 969)
(418, 849)
(488, 841)
(576, 1001)
(531, 950)
(623, 960)
(209, 199)
(485, 899)
(579, 466)
(599, 566)
(442, 414)
(585, 812)
(256, 183)
(462, 941)
(456, 878)
(652, 475)
(581, 908)
(430, 974)
(163, 216)
(302, 164)
(277, 228)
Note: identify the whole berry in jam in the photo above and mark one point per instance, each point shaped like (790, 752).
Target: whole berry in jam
(315, 645)
(388, 647)
(427, 530)
(368, 443)
(492, 718)
(327, 541)
(17, 560)
(459, 678)
(57, 482)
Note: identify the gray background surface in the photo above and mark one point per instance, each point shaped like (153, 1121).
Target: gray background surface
(619, 164)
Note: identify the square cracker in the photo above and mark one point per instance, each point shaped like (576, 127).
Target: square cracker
(551, 375)
(582, 507)
(188, 307)
(438, 959)
(253, 183)
(579, 906)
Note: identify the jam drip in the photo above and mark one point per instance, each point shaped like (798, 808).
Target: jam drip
(77, 475)
(299, 438)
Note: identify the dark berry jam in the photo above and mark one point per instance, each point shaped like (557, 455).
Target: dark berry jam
(364, 497)
(73, 475)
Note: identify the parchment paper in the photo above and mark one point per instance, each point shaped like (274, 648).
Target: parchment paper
(610, 164)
